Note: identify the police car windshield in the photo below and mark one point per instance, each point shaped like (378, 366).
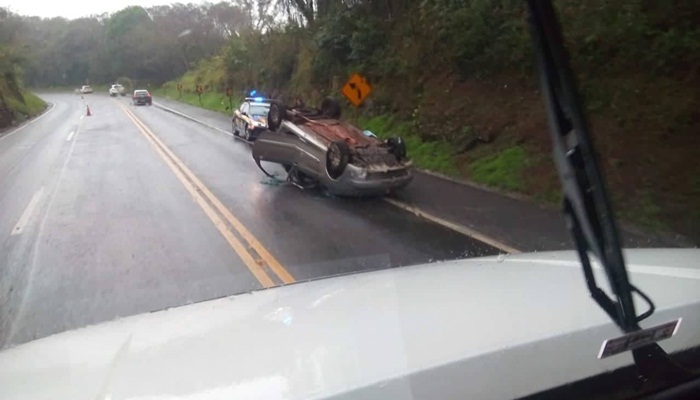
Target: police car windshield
(259, 109)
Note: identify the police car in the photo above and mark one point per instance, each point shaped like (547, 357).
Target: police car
(250, 119)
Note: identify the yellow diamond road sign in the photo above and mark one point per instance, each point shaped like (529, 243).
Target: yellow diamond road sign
(356, 89)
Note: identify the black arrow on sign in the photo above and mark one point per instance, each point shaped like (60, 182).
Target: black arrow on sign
(357, 89)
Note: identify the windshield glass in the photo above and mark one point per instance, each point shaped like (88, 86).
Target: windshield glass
(254, 147)
(259, 109)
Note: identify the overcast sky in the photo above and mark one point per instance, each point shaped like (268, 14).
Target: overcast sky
(78, 8)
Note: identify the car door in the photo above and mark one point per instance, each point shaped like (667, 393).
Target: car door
(245, 108)
(281, 147)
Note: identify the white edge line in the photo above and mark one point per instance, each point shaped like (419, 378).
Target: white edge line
(453, 226)
(24, 218)
(53, 105)
(168, 109)
(70, 136)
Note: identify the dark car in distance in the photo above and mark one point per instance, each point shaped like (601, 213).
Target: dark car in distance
(142, 97)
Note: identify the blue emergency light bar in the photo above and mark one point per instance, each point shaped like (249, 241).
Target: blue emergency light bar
(258, 99)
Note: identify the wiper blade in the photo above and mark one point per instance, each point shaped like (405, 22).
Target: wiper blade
(587, 209)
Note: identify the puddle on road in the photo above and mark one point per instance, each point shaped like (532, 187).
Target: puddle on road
(273, 181)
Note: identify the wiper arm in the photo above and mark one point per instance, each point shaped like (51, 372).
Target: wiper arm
(587, 209)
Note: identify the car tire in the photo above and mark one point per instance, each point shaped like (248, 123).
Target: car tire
(337, 158)
(234, 129)
(277, 114)
(397, 147)
(330, 108)
(246, 132)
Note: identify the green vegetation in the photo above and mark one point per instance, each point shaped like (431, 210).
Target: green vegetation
(646, 213)
(209, 100)
(27, 106)
(210, 74)
(502, 170)
(16, 104)
(145, 45)
(453, 77)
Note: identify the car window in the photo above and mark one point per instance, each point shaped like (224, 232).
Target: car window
(259, 109)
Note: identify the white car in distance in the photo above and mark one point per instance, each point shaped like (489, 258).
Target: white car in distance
(117, 90)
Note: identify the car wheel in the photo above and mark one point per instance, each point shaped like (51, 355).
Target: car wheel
(277, 113)
(397, 147)
(330, 108)
(337, 158)
(234, 129)
(246, 132)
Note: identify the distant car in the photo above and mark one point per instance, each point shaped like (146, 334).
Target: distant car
(142, 97)
(86, 89)
(117, 90)
(317, 149)
(250, 119)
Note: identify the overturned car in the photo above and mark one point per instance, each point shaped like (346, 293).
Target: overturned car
(317, 149)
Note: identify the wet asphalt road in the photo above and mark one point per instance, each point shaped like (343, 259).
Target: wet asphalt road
(97, 223)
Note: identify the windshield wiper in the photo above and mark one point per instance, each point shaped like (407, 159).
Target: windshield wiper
(586, 207)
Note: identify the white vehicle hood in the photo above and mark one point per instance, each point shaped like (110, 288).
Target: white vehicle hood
(489, 328)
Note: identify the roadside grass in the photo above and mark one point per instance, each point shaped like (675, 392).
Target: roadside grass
(437, 156)
(35, 105)
(643, 210)
(502, 170)
(32, 105)
(551, 197)
(213, 101)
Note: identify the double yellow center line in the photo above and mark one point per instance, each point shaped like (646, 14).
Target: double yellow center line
(254, 255)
